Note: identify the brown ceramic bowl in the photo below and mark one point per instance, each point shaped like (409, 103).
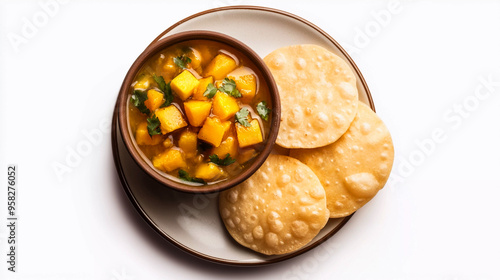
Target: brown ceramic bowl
(126, 90)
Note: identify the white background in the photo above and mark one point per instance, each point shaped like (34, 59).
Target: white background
(438, 218)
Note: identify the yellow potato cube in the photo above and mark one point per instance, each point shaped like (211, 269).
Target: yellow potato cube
(154, 101)
(228, 146)
(170, 119)
(169, 160)
(220, 66)
(246, 85)
(213, 130)
(202, 87)
(225, 106)
(246, 155)
(188, 143)
(208, 171)
(197, 111)
(184, 84)
(227, 129)
(249, 135)
(142, 136)
(144, 82)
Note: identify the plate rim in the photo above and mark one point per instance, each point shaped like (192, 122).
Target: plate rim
(142, 212)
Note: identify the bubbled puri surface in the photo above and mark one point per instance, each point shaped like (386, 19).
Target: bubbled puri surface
(318, 95)
(278, 210)
(353, 169)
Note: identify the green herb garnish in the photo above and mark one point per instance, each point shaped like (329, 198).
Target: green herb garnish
(160, 81)
(153, 125)
(229, 86)
(241, 117)
(210, 91)
(263, 110)
(138, 98)
(184, 175)
(167, 94)
(182, 61)
(165, 89)
(222, 162)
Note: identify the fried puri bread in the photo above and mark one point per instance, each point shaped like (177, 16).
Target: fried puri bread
(278, 210)
(318, 94)
(353, 169)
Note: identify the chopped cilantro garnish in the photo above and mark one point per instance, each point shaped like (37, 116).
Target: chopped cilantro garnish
(229, 86)
(165, 88)
(263, 110)
(138, 98)
(184, 175)
(222, 162)
(167, 94)
(160, 81)
(153, 125)
(182, 61)
(210, 91)
(241, 117)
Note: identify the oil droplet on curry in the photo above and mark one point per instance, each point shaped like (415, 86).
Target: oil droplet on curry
(200, 111)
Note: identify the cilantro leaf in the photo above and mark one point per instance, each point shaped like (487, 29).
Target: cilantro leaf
(222, 162)
(184, 175)
(153, 125)
(263, 110)
(160, 81)
(182, 61)
(241, 117)
(229, 86)
(165, 88)
(138, 98)
(167, 94)
(210, 91)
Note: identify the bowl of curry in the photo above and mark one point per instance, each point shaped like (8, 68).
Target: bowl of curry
(199, 111)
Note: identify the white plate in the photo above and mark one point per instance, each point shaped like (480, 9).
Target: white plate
(192, 222)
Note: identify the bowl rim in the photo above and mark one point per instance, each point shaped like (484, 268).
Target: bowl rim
(152, 50)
